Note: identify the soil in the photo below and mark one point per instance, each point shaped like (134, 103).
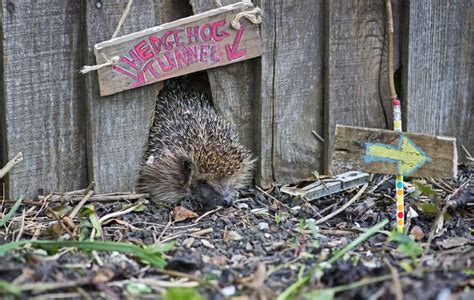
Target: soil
(257, 248)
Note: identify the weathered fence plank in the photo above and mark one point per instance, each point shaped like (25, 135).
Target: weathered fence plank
(42, 101)
(232, 88)
(296, 78)
(437, 63)
(118, 125)
(355, 38)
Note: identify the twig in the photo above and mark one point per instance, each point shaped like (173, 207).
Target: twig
(13, 162)
(166, 228)
(82, 191)
(468, 155)
(391, 82)
(273, 198)
(396, 281)
(338, 211)
(447, 203)
(80, 204)
(317, 136)
(207, 214)
(22, 226)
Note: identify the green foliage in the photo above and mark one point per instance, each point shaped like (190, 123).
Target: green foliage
(182, 294)
(137, 289)
(292, 289)
(12, 211)
(324, 294)
(406, 245)
(7, 289)
(89, 212)
(152, 255)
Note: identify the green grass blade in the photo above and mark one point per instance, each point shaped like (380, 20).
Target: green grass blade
(12, 211)
(154, 259)
(301, 282)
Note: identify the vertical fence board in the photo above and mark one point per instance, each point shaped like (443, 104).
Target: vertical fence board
(353, 59)
(117, 125)
(437, 64)
(232, 88)
(297, 85)
(42, 99)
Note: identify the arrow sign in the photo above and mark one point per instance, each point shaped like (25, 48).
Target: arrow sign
(233, 52)
(184, 46)
(388, 152)
(407, 155)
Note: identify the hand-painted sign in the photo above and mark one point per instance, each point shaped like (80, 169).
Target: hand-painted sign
(184, 46)
(407, 155)
(390, 152)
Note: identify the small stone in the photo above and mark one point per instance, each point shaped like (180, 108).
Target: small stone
(263, 226)
(207, 244)
(248, 247)
(228, 290)
(243, 206)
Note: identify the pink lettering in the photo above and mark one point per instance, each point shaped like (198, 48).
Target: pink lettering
(155, 44)
(167, 45)
(206, 36)
(143, 50)
(176, 37)
(214, 57)
(219, 36)
(191, 53)
(203, 53)
(180, 58)
(149, 67)
(192, 32)
(171, 63)
(139, 77)
(134, 62)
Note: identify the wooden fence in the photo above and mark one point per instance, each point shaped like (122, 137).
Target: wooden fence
(324, 63)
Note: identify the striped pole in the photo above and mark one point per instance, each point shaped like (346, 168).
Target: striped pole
(397, 126)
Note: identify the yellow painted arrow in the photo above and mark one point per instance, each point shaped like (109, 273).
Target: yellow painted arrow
(407, 155)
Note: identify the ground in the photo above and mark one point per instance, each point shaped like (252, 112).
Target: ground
(256, 249)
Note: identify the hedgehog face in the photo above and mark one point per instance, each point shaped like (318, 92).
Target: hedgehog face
(203, 189)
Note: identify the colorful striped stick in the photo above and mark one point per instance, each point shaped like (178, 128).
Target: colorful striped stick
(397, 126)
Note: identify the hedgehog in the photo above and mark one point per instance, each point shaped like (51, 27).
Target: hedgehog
(193, 154)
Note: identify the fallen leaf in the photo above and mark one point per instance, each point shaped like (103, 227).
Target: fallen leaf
(102, 276)
(232, 236)
(218, 260)
(452, 242)
(417, 233)
(180, 214)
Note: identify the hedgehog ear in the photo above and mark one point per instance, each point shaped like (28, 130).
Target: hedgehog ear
(185, 169)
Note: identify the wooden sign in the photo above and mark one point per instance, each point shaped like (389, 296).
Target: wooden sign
(184, 46)
(390, 152)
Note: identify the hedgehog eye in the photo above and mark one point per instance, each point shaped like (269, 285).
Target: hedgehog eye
(202, 181)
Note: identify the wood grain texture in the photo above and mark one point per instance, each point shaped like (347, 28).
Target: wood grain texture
(184, 46)
(437, 78)
(355, 38)
(297, 83)
(118, 125)
(350, 150)
(232, 89)
(42, 98)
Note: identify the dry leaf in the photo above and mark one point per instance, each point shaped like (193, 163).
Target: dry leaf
(218, 260)
(102, 276)
(417, 233)
(180, 214)
(232, 236)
